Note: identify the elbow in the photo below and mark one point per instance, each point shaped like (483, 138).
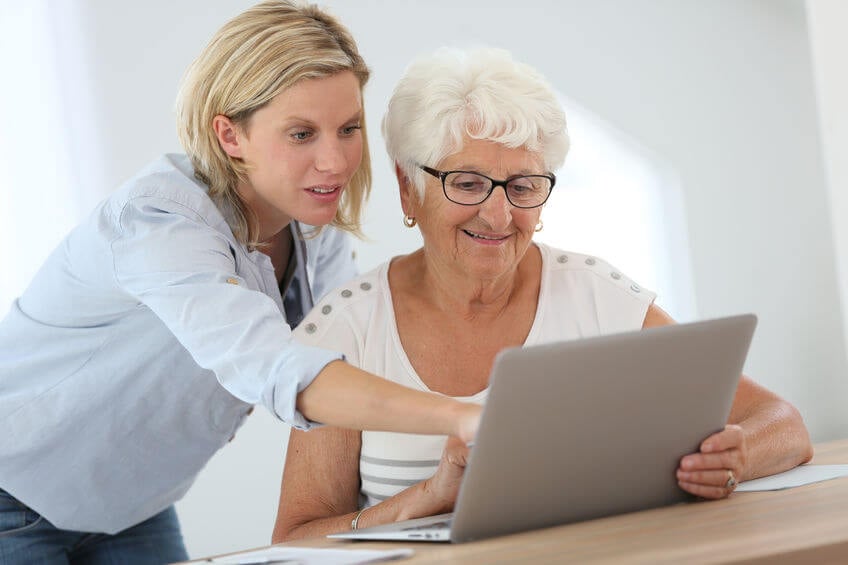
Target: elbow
(280, 534)
(285, 532)
(807, 446)
(289, 527)
(803, 443)
(808, 454)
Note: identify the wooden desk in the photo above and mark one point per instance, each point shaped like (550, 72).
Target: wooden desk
(806, 524)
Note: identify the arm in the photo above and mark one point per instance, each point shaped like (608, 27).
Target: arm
(342, 395)
(765, 435)
(773, 430)
(345, 396)
(320, 488)
(239, 332)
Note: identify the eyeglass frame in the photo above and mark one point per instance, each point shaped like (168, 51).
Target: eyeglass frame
(442, 175)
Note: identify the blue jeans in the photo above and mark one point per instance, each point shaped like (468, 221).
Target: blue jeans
(27, 537)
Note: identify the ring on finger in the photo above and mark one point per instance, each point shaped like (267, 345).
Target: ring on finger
(731, 480)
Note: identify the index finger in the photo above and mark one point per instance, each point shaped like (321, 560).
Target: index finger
(729, 438)
(706, 461)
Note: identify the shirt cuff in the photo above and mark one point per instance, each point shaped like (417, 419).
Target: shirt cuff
(280, 393)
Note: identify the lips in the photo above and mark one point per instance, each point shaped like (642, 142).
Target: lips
(486, 237)
(324, 189)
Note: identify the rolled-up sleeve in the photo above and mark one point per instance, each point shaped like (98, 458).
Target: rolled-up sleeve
(184, 271)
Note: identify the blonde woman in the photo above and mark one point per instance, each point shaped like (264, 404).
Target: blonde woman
(145, 339)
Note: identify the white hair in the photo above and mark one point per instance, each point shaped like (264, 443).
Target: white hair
(481, 93)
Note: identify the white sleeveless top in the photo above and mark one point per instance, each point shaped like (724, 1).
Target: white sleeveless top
(580, 296)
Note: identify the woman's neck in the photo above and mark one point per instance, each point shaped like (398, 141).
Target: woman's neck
(279, 249)
(266, 219)
(449, 290)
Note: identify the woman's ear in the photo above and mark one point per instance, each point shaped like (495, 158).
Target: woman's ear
(228, 135)
(408, 194)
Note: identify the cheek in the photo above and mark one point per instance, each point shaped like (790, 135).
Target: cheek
(354, 154)
(527, 222)
(441, 222)
(289, 164)
(452, 216)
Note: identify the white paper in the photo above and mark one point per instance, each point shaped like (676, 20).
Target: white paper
(803, 475)
(311, 556)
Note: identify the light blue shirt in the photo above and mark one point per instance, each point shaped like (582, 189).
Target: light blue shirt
(139, 347)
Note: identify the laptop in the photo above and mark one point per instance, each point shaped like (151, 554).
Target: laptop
(588, 428)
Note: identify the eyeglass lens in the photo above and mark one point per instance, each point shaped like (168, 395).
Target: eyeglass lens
(471, 188)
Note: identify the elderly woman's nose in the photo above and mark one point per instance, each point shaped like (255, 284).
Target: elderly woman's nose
(496, 209)
(330, 156)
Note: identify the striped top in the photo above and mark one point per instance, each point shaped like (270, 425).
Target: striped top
(580, 296)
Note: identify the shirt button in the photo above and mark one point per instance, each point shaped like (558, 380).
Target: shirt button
(310, 328)
(563, 258)
(346, 293)
(365, 286)
(635, 288)
(326, 309)
(615, 275)
(590, 261)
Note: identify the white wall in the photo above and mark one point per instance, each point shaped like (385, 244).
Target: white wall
(827, 20)
(722, 90)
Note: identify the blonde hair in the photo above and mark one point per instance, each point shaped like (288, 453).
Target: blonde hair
(252, 58)
(482, 93)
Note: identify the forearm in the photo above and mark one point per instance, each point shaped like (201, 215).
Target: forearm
(312, 528)
(344, 396)
(776, 439)
(413, 502)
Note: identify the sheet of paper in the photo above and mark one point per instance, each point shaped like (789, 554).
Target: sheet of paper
(311, 556)
(803, 475)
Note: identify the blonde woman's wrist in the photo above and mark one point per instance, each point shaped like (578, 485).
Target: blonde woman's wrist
(466, 420)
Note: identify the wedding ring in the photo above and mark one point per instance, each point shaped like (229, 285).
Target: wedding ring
(731, 480)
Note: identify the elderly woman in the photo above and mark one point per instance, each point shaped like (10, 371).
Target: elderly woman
(475, 137)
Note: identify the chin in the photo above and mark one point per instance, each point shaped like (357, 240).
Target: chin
(315, 218)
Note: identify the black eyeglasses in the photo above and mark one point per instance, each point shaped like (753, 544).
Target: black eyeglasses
(469, 189)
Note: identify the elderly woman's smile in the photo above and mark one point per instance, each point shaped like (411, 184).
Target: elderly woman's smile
(483, 240)
(487, 239)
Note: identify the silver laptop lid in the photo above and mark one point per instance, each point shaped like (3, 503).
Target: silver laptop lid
(593, 427)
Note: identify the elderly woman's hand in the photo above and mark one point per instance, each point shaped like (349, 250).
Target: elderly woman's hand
(443, 486)
(714, 471)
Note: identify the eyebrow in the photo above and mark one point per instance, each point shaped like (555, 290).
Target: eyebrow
(475, 169)
(307, 121)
